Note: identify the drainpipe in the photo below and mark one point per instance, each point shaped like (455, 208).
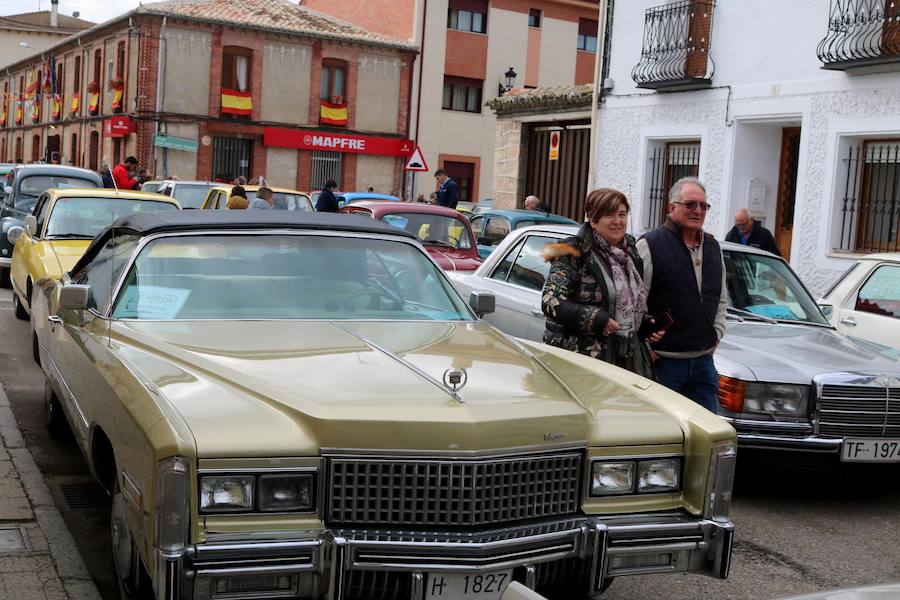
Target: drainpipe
(595, 96)
(160, 98)
(415, 175)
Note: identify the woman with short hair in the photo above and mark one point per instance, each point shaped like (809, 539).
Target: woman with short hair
(594, 297)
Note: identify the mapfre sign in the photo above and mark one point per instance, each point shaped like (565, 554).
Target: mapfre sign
(353, 144)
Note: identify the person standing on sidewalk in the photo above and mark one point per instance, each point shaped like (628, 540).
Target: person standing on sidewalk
(327, 201)
(685, 276)
(448, 194)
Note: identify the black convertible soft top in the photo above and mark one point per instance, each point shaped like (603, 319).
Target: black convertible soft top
(148, 223)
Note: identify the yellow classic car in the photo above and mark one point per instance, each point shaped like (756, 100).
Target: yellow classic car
(318, 414)
(282, 198)
(63, 223)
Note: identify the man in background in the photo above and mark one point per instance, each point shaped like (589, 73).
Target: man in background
(327, 201)
(448, 194)
(263, 200)
(534, 203)
(750, 232)
(122, 174)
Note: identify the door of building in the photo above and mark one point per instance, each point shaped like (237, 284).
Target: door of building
(232, 158)
(787, 189)
(463, 173)
(53, 145)
(562, 183)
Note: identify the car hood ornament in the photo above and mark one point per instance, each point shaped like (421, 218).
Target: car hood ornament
(455, 379)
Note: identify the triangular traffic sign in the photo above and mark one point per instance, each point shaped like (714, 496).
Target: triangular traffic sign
(416, 162)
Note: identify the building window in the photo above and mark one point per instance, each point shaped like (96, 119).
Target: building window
(120, 61)
(236, 68)
(463, 173)
(467, 15)
(98, 67)
(587, 35)
(76, 88)
(871, 208)
(18, 156)
(534, 17)
(73, 151)
(60, 78)
(669, 162)
(35, 148)
(94, 151)
(326, 165)
(462, 94)
(333, 83)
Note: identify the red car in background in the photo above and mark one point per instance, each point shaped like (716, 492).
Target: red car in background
(445, 233)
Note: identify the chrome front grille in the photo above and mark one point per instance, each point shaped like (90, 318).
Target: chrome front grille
(445, 493)
(858, 411)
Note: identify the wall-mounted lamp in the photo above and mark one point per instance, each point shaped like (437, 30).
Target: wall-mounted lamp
(510, 77)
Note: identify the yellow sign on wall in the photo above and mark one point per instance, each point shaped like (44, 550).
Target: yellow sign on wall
(554, 146)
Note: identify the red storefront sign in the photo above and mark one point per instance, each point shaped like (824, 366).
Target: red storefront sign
(353, 144)
(117, 126)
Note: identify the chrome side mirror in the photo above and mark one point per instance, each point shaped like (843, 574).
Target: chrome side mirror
(31, 224)
(74, 296)
(482, 302)
(827, 310)
(14, 233)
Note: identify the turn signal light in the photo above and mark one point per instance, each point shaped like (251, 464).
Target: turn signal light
(731, 393)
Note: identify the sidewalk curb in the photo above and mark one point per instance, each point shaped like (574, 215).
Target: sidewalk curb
(69, 564)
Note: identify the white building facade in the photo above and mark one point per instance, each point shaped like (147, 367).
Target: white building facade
(791, 109)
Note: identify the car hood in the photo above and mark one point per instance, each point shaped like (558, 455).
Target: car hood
(454, 260)
(60, 256)
(783, 353)
(294, 387)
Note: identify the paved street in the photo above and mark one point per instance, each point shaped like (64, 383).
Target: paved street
(797, 530)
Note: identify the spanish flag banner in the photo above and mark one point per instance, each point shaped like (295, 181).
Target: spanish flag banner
(117, 99)
(3, 117)
(19, 112)
(73, 107)
(93, 102)
(36, 110)
(57, 106)
(333, 114)
(236, 103)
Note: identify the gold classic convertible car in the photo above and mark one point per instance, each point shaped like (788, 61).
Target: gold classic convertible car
(299, 405)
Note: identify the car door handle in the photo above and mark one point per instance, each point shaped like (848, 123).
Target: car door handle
(537, 312)
(849, 321)
(55, 319)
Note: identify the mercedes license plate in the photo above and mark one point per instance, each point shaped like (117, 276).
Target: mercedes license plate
(453, 586)
(870, 451)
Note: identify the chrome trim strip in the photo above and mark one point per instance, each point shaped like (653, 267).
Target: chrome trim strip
(131, 490)
(252, 470)
(451, 454)
(775, 425)
(5, 262)
(772, 442)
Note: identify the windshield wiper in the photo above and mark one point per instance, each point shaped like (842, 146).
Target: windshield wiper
(439, 243)
(746, 314)
(70, 236)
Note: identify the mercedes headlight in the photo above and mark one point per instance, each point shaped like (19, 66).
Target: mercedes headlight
(609, 478)
(228, 493)
(281, 493)
(776, 399)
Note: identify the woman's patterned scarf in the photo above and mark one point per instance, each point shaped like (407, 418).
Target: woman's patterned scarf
(631, 295)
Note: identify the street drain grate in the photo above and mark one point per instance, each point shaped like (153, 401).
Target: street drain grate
(12, 539)
(84, 495)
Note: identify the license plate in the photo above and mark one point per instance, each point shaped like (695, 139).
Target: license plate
(453, 586)
(870, 451)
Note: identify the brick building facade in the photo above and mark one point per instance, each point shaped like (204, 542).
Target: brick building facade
(216, 89)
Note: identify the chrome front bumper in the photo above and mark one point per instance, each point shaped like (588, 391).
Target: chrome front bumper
(335, 564)
(766, 435)
(5, 261)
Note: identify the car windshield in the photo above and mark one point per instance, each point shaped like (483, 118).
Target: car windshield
(286, 201)
(285, 276)
(765, 286)
(432, 229)
(86, 217)
(35, 185)
(150, 187)
(191, 195)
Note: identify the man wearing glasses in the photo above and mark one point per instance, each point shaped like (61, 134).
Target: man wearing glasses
(685, 277)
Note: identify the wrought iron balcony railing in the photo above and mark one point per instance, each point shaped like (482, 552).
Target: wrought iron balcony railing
(675, 52)
(861, 33)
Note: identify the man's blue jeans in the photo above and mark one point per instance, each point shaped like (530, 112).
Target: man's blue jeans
(695, 378)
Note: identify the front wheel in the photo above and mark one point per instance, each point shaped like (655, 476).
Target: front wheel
(130, 573)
